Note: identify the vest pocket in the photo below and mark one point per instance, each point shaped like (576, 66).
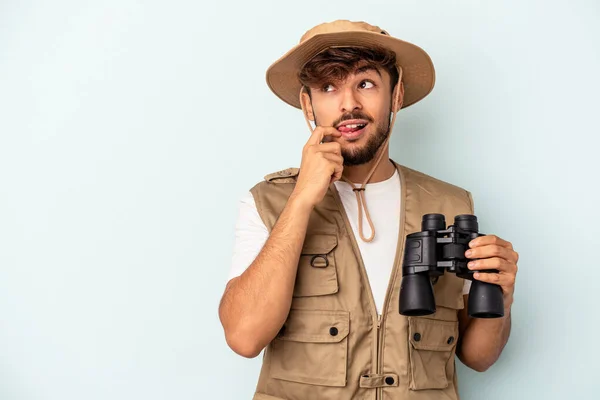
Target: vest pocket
(317, 274)
(312, 348)
(431, 351)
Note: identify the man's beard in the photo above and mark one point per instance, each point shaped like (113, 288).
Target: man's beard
(368, 152)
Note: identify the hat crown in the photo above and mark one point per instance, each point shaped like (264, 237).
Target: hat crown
(341, 25)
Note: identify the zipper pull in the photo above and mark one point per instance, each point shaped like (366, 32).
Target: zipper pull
(378, 321)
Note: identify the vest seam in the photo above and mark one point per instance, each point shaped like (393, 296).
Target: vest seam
(470, 198)
(259, 208)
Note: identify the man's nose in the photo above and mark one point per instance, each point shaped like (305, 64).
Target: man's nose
(350, 101)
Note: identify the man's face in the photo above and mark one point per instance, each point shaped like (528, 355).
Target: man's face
(359, 108)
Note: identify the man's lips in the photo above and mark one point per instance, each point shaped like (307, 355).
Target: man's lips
(352, 129)
(351, 124)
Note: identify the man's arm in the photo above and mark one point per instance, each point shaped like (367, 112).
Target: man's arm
(482, 340)
(256, 304)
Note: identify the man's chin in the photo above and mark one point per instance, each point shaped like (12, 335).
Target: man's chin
(356, 143)
(353, 159)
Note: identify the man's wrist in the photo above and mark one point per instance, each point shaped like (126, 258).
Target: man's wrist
(299, 204)
(508, 301)
(507, 309)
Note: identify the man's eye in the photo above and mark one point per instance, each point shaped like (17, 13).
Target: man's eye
(366, 85)
(328, 88)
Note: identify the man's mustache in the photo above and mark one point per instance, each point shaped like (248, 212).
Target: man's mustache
(352, 115)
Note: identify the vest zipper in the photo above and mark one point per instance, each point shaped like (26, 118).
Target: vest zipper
(378, 392)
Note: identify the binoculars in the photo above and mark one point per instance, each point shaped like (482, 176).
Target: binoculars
(432, 252)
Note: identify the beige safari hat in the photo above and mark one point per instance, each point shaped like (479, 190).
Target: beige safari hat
(418, 71)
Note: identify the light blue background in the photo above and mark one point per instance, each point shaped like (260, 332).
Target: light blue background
(129, 130)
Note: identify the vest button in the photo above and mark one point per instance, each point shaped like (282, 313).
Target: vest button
(333, 331)
(389, 380)
(451, 340)
(417, 336)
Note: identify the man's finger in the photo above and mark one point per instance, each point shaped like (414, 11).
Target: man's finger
(316, 137)
(504, 280)
(489, 239)
(490, 251)
(337, 172)
(332, 147)
(336, 158)
(497, 263)
(329, 134)
(320, 132)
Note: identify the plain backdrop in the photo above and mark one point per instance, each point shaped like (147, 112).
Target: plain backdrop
(130, 129)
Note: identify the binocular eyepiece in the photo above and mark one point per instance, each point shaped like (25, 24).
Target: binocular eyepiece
(432, 252)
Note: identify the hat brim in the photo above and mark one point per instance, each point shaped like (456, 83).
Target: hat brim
(418, 73)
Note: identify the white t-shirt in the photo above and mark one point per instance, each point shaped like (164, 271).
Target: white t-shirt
(383, 201)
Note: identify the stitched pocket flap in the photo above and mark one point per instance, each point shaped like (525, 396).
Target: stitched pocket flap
(319, 243)
(430, 334)
(316, 326)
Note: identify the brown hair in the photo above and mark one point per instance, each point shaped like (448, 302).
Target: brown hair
(335, 64)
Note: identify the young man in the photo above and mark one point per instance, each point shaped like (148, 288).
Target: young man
(317, 265)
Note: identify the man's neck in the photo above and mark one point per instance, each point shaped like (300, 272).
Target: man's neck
(358, 173)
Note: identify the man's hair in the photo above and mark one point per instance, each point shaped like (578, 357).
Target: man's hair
(336, 64)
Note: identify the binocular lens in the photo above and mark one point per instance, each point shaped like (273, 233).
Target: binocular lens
(433, 222)
(485, 300)
(467, 222)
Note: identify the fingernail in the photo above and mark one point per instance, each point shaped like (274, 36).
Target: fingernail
(471, 264)
(476, 275)
(468, 253)
(472, 243)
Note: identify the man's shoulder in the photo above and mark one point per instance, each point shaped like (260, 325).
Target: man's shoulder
(429, 182)
(273, 191)
(276, 182)
(287, 175)
(439, 189)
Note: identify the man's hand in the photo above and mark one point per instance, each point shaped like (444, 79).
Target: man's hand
(322, 164)
(493, 252)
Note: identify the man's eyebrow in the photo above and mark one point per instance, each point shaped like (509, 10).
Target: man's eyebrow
(365, 69)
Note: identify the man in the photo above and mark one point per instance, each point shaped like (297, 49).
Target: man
(317, 263)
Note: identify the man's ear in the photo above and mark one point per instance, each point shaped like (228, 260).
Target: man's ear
(308, 109)
(400, 87)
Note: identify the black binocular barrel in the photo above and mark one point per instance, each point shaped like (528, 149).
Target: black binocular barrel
(467, 222)
(416, 295)
(433, 222)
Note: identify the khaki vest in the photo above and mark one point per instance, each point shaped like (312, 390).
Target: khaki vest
(333, 345)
